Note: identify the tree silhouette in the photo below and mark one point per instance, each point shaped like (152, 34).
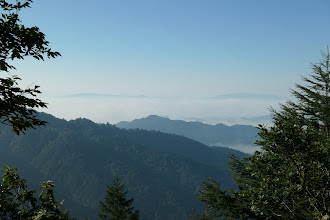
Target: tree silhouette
(16, 42)
(19, 202)
(290, 177)
(115, 205)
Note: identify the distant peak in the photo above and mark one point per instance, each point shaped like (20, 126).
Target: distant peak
(156, 117)
(221, 125)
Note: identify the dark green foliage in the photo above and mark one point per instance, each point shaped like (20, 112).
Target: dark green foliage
(115, 205)
(290, 177)
(18, 202)
(207, 215)
(162, 172)
(16, 42)
(16, 108)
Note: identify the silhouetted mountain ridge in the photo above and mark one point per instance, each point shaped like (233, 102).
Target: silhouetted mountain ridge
(235, 136)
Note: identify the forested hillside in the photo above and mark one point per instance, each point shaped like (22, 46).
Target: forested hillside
(240, 137)
(163, 172)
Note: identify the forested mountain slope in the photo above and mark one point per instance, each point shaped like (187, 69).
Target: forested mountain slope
(240, 137)
(162, 172)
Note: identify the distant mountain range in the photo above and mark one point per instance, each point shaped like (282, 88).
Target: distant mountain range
(163, 172)
(105, 95)
(239, 137)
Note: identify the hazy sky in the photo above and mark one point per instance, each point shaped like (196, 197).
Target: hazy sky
(177, 54)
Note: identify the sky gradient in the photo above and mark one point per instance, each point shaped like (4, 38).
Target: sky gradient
(172, 57)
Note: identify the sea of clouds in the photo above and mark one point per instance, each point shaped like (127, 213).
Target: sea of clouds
(103, 108)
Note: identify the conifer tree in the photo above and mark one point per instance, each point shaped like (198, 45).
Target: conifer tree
(290, 177)
(115, 205)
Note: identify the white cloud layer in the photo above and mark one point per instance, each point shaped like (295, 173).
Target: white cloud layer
(114, 109)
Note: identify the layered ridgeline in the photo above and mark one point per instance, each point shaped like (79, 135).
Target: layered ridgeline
(239, 137)
(163, 172)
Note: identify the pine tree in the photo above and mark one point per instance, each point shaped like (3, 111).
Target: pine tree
(115, 205)
(290, 177)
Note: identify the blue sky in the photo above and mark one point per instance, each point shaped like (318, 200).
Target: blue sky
(177, 53)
